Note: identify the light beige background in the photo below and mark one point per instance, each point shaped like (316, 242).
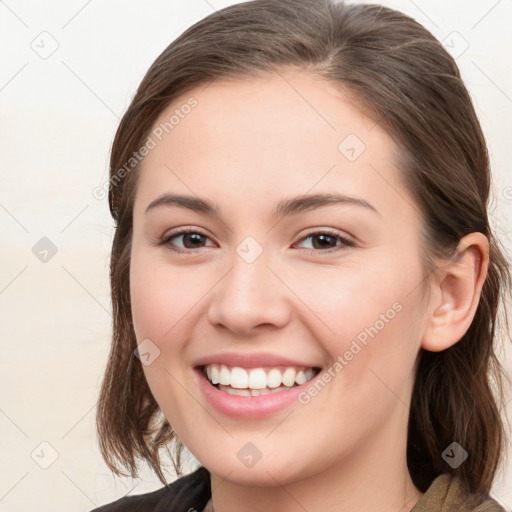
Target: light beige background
(59, 112)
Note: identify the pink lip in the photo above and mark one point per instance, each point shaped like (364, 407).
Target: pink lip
(252, 407)
(256, 360)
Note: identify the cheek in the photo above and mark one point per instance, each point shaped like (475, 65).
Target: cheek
(159, 312)
(368, 320)
(148, 297)
(347, 300)
(161, 298)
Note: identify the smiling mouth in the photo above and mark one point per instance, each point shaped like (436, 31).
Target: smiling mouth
(235, 380)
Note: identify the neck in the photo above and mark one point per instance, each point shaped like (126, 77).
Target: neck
(374, 478)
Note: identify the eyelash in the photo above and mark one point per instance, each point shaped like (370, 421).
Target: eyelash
(344, 241)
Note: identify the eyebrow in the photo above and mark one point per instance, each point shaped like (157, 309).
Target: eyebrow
(286, 207)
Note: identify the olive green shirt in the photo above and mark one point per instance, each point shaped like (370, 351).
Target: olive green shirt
(446, 494)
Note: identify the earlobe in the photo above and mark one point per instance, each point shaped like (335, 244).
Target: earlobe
(456, 294)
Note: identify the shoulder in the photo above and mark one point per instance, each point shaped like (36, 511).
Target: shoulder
(187, 492)
(448, 494)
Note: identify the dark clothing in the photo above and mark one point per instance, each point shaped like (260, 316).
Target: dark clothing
(191, 493)
(188, 492)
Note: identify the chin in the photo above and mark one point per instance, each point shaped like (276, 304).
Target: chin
(261, 474)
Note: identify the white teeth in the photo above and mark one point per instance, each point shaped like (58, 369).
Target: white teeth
(214, 374)
(289, 377)
(274, 378)
(250, 392)
(276, 390)
(239, 378)
(238, 392)
(259, 392)
(256, 381)
(225, 375)
(300, 378)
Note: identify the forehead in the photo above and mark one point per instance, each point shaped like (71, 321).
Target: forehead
(277, 106)
(252, 137)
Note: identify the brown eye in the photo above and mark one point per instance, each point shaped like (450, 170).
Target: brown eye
(191, 239)
(326, 241)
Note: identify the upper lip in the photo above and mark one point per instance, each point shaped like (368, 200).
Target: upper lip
(255, 360)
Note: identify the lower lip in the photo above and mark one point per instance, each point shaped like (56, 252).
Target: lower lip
(249, 407)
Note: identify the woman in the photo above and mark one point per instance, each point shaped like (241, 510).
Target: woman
(304, 279)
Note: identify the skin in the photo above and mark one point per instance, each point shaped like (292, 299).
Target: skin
(247, 145)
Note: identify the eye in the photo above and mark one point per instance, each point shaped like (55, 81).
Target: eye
(192, 239)
(327, 241)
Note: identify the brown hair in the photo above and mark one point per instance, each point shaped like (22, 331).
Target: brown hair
(398, 71)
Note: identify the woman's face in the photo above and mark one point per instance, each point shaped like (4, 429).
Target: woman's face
(276, 284)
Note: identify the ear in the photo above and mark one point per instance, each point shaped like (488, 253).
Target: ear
(456, 293)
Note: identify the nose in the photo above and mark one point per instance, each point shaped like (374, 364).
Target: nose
(249, 298)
